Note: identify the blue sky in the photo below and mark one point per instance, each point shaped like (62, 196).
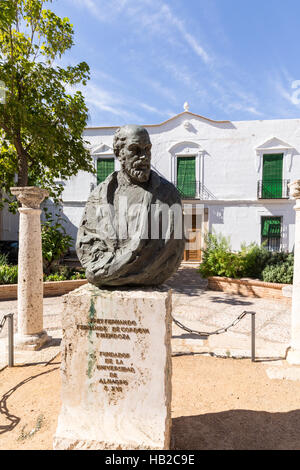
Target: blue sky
(230, 59)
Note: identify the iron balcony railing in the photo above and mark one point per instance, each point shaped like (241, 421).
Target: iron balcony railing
(273, 189)
(193, 190)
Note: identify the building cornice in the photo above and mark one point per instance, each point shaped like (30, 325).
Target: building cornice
(184, 113)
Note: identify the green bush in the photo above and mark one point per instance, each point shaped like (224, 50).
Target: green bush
(251, 261)
(219, 260)
(65, 274)
(77, 275)
(255, 258)
(8, 274)
(281, 272)
(3, 259)
(55, 243)
(55, 277)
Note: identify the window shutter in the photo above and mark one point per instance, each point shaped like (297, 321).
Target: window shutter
(271, 227)
(186, 181)
(105, 166)
(272, 176)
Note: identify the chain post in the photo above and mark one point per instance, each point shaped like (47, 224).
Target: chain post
(253, 336)
(205, 335)
(10, 318)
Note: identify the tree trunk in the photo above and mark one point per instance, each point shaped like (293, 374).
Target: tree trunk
(22, 163)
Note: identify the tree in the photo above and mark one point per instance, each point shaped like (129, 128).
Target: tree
(41, 124)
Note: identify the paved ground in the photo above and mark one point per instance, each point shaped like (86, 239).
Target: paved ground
(197, 308)
(204, 310)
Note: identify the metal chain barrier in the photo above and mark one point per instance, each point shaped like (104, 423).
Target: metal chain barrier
(206, 334)
(10, 318)
(2, 323)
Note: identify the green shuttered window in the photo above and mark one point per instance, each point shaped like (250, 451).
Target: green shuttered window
(272, 176)
(186, 180)
(271, 232)
(105, 166)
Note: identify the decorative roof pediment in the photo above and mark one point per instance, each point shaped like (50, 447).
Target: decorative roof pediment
(274, 144)
(186, 116)
(102, 149)
(185, 147)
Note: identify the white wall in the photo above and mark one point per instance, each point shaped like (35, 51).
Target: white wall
(228, 164)
(242, 222)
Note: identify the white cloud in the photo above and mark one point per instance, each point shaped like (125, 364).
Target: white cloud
(286, 87)
(189, 38)
(156, 16)
(152, 109)
(103, 100)
(209, 79)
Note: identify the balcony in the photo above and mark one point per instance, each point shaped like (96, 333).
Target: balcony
(194, 190)
(273, 189)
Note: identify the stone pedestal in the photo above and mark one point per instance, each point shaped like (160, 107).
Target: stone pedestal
(116, 370)
(30, 270)
(293, 356)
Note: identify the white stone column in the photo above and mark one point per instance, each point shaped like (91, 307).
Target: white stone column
(30, 270)
(293, 356)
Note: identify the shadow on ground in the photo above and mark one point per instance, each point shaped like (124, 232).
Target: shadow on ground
(187, 281)
(230, 301)
(13, 420)
(237, 430)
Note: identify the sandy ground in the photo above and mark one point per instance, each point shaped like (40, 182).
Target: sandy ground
(217, 404)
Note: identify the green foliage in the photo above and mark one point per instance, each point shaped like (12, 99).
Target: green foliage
(41, 124)
(251, 261)
(55, 243)
(77, 275)
(280, 269)
(255, 258)
(8, 274)
(218, 259)
(65, 274)
(3, 259)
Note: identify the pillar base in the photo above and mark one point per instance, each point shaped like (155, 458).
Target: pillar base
(31, 342)
(293, 356)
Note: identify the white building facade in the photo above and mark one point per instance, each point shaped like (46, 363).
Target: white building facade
(235, 173)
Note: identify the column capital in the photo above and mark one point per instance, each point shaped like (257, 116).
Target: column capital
(30, 196)
(295, 189)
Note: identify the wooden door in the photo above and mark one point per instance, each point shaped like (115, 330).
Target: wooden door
(193, 246)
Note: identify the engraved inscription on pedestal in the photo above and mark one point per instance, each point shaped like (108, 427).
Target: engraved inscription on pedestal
(115, 369)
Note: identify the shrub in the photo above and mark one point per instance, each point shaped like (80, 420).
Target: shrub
(251, 261)
(8, 274)
(78, 275)
(55, 243)
(255, 259)
(65, 274)
(3, 259)
(219, 260)
(281, 273)
(55, 277)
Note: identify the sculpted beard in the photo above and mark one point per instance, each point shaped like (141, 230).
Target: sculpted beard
(138, 170)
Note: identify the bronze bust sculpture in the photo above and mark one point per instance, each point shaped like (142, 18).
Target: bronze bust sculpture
(131, 231)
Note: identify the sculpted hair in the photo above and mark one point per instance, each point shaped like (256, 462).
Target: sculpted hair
(119, 140)
(122, 133)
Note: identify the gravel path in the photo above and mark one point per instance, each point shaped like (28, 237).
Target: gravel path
(216, 404)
